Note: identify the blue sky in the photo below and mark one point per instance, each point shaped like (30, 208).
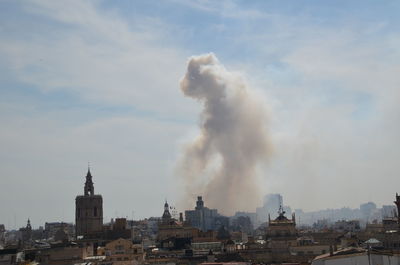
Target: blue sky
(98, 81)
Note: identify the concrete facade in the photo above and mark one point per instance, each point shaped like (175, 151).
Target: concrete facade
(204, 218)
(123, 252)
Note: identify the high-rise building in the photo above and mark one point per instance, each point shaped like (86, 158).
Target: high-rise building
(88, 210)
(271, 206)
(204, 218)
(367, 209)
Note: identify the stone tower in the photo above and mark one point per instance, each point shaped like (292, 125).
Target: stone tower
(88, 210)
(26, 233)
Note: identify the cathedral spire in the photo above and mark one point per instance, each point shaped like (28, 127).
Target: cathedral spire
(28, 225)
(166, 215)
(89, 188)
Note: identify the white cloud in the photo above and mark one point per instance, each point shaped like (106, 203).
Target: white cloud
(334, 124)
(99, 57)
(94, 55)
(333, 92)
(224, 9)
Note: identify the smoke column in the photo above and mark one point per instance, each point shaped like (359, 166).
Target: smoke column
(221, 163)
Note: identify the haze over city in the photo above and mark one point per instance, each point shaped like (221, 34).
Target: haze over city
(311, 90)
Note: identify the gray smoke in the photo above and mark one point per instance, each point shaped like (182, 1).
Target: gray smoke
(221, 163)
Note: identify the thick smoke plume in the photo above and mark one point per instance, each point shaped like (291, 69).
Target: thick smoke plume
(221, 163)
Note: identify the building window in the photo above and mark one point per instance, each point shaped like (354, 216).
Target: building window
(95, 211)
(119, 247)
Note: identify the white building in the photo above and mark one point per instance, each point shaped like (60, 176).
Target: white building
(357, 256)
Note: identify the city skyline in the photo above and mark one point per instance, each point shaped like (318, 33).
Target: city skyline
(100, 81)
(272, 204)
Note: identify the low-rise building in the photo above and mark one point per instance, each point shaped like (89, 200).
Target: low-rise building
(51, 228)
(357, 256)
(60, 254)
(122, 252)
(307, 246)
(8, 256)
(347, 226)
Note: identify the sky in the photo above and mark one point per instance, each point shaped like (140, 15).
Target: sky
(98, 82)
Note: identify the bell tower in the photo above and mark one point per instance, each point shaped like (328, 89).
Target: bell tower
(89, 188)
(88, 210)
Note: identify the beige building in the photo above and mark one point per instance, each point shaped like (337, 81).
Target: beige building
(281, 233)
(60, 255)
(170, 231)
(169, 228)
(174, 230)
(122, 252)
(307, 246)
